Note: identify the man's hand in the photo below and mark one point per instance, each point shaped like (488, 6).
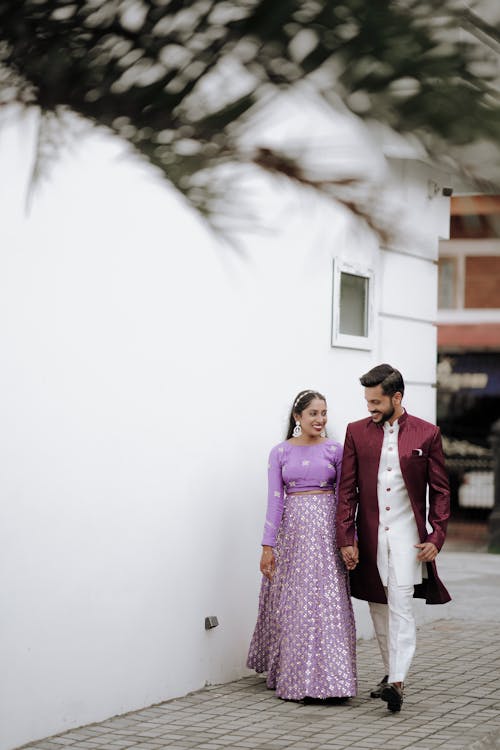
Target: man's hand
(267, 562)
(350, 556)
(428, 552)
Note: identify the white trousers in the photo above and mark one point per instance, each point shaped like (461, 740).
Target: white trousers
(395, 628)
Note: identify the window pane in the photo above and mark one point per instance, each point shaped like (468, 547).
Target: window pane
(447, 294)
(353, 305)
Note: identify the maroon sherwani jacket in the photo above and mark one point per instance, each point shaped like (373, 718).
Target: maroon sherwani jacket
(422, 464)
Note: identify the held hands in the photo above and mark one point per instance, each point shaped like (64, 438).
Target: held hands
(428, 552)
(350, 556)
(267, 562)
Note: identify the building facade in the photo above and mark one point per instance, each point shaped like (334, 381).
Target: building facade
(148, 368)
(469, 346)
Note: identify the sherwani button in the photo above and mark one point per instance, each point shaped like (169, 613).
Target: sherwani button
(387, 507)
(388, 489)
(387, 528)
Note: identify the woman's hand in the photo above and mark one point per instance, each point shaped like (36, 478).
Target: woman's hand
(267, 562)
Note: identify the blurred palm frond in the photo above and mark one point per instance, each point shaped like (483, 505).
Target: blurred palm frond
(180, 80)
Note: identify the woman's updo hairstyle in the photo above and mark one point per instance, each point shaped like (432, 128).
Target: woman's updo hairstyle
(301, 402)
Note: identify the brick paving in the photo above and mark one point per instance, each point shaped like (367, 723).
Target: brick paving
(466, 535)
(452, 698)
(452, 701)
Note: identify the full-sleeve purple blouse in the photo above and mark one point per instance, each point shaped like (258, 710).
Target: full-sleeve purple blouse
(298, 468)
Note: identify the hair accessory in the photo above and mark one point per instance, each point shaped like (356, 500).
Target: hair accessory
(299, 398)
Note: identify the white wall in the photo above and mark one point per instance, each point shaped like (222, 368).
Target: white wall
(146, 370)
(408, 282)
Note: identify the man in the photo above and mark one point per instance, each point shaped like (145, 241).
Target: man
(390, 460)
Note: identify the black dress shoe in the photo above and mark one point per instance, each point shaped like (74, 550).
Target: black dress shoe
(377, 692)
(393, 695)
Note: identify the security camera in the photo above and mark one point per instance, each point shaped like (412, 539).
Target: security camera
(447, 191)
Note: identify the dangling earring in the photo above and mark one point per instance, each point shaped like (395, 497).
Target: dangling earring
(322, 433)
(297, 430)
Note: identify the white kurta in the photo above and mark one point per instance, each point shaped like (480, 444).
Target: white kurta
(397, 529)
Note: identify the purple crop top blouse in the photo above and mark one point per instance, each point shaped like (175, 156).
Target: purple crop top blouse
(298, 468)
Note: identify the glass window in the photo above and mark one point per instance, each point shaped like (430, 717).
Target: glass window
(352, 306)
(353, 319)
(447, 283)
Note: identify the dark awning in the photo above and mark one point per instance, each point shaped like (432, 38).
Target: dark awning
(475, 372)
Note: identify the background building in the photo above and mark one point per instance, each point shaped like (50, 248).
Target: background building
(469, 346)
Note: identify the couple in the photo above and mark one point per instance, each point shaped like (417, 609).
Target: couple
(362, 512)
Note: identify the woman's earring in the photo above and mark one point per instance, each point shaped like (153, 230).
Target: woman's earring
(297, 430)
(322, 433)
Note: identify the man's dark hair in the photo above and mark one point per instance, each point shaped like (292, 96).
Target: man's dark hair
(386, 376)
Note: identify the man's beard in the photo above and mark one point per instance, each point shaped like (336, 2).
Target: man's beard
(385, 416)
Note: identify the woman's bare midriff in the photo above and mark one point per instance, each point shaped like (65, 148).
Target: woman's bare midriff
(311, 492)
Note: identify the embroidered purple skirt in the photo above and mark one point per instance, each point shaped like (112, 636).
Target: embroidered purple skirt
(305, 637)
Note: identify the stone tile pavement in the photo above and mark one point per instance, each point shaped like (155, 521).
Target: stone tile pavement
(452, 697)
(467, 536)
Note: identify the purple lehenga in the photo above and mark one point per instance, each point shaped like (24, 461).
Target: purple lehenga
(305, 636)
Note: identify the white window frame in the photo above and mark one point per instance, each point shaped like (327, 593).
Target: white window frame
(342, 339)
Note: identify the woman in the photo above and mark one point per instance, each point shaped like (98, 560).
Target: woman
(305, 636)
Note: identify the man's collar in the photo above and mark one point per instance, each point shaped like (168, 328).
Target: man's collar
(401, 419)
(397, 422)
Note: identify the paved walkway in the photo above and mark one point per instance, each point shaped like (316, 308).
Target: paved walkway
(452, 699)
